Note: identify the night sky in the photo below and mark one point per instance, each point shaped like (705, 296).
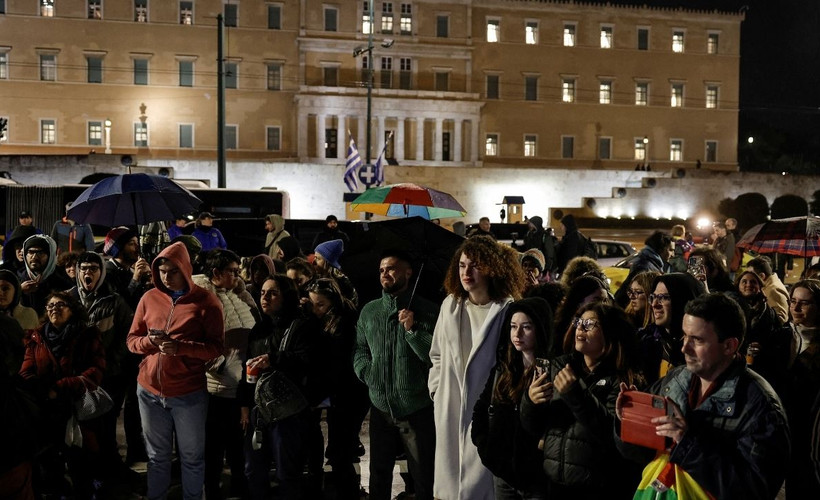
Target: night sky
(779, 81)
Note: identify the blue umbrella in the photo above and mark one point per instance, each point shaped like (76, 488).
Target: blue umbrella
(128, 199)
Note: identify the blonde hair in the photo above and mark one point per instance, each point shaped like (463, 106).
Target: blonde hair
(678, 231)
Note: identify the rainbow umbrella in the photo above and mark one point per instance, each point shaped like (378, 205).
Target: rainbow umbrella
(408, 200)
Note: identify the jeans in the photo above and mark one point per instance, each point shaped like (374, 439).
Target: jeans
(417, 435)
(161, 417)
(284, 443)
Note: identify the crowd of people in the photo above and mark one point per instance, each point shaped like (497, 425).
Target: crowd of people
(514, 387)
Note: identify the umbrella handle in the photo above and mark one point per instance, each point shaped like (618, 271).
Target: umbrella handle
(415, 286)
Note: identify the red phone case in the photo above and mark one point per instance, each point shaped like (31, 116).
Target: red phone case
(639, 408)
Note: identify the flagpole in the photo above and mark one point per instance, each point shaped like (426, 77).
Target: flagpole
(369, 78)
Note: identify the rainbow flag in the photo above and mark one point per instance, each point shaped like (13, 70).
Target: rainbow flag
(663, 480)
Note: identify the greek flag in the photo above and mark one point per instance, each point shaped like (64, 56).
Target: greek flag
(354, 161)
(379, 166)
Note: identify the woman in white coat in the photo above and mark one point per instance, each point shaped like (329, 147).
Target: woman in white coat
(483, 278)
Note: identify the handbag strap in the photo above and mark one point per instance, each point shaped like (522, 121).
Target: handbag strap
(293, 325)
(88, 383)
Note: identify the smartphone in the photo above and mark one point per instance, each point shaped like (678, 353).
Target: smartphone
(542, 365)
(639, 408)
(695, 266)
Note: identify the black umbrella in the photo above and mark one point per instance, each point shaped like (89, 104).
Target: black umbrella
(429, 245)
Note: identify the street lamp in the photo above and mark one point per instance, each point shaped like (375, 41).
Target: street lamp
(386, 43)
(108, 136)
(645, 152)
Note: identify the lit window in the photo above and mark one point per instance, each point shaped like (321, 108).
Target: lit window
(605, 148)
(442, 26)
(48, 132)
(677, 41)
(94, 69)
(95, 133)
(367, 24)
(141, 135)
(530, 88)
(677, 95)
(231, 15)
(531, 32)
(406, 19)
(711, 96)
(95, 9)
(605, 92)
(140, 71)
(492, 86)
(47, 8)
(231, 136)
(641, 94)
(274, 76)
(386, 73)
(442, 81)
(331, 19)
(186, 73)
(567, 147)
(711, 151)
(712, 43)
(141, 11)
(387, 18)
(569, 35)
(530, 143)
(606, 37)
(640, 149)
(675, 150)
(48, 67)
(186, 12)
(643, 39)
(568, 90)
(274, 17)
(4, 65)
(491, 145)
(186, 135)
(274, 138)
(330, 76)
(493, 30)
(231, 72)
(406, 73)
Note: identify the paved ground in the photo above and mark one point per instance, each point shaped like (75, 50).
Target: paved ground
(134, 486)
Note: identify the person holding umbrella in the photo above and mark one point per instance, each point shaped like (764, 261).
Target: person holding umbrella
(483, 279)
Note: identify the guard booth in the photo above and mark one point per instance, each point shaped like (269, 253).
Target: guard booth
(514, 207)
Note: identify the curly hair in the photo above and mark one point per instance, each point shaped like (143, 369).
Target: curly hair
(579, 266)
(620, 351)
(499, 263)
(79, 314)
(644, 280)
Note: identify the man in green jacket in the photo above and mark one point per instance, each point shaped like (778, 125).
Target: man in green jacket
(392, 356)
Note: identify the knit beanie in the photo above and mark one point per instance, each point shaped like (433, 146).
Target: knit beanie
(331, 251)
(535, 255)
(116, 239)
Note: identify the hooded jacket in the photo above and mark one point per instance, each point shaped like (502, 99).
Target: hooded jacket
(223, 377)
(25, 316)
(657, 343)
(505, 448)
(193, 319)
(107, 311)
(18, 235)
(273, 237)
(572, 244)
(47, 280)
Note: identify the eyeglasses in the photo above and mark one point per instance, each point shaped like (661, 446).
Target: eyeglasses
(585, 324)
(56, 305)
(89, 269)
(632, 294)
(663, 298)
(33, 252)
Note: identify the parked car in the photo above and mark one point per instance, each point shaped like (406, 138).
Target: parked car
(618, 272)
(611, 252)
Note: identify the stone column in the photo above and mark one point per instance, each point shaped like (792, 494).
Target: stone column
(341, 135)
(378, 140)
(320, 136)
(398, 151)
(301, 136)
(457, 131)
(420, 138)
(473, 141)
(437, 155)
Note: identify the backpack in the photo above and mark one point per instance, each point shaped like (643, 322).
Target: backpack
(548, 243)
(588, 247)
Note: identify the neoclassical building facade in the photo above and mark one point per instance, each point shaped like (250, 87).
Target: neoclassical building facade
(515, 83)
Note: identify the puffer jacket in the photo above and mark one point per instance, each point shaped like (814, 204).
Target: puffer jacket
(737, 443)
(576, 427)
(223, 377)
